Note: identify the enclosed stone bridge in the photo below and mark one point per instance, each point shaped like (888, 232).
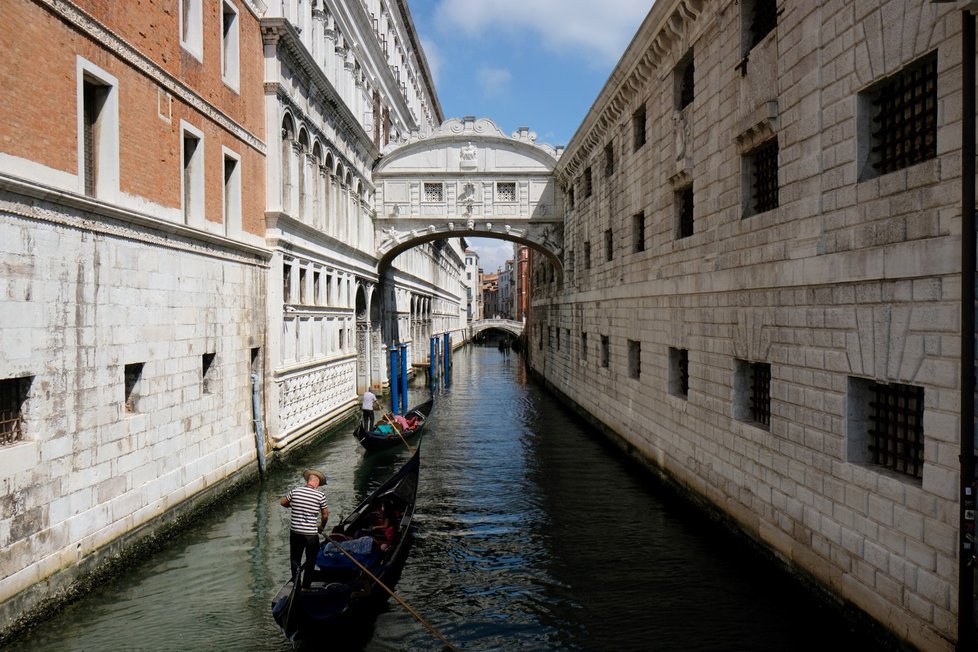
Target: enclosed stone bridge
(514, 328)
(468, 179)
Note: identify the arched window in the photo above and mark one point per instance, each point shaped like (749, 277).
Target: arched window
(288, 138)
(303, 156)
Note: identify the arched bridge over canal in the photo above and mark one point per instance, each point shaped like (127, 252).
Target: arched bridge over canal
(514, 328)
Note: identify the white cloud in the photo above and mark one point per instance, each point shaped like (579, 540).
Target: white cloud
(598, 29)
(493, 253)
(433, 56)
(494, 81)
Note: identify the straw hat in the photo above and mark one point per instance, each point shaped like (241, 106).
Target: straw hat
(312, 472)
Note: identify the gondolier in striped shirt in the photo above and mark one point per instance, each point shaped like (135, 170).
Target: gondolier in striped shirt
(307, 503)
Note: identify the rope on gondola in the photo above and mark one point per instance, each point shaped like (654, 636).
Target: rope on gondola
(394, 595)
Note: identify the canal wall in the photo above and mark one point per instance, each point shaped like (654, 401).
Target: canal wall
(759, 303)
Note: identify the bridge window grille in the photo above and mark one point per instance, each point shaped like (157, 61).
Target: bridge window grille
(506, 192)
(588, 185)
(904, 122)
(13, 394)
(762, 18)
(684, 211)
(605, 352)
(679, 372)
(638, 231)
(684, 82)
(638, 128)
(609, 245)
(131, 376)
(434, 192)
(609, 159)
(762, 169)
(634, 359)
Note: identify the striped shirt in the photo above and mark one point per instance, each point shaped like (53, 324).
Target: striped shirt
(306, 504)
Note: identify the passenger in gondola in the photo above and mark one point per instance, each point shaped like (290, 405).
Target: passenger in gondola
(307, 503)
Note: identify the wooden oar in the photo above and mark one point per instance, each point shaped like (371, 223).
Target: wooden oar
(394, 426)
(431, 628)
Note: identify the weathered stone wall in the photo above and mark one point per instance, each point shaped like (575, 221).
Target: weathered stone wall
(853, 278)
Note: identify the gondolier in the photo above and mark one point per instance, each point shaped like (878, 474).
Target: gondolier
(369, 401)
(307, 503)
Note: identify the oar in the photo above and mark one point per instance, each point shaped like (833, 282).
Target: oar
(394, 426)
(431, 628)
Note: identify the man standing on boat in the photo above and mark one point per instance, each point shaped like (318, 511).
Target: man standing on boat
(369, 400)
(307, 503)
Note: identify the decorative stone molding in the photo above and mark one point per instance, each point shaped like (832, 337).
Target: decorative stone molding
(759, 126)
(87, 25)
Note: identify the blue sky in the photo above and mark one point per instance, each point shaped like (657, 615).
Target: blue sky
(533, 63)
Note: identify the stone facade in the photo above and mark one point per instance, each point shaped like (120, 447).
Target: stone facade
(733, 335)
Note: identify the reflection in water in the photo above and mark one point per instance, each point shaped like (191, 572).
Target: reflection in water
(531, 533)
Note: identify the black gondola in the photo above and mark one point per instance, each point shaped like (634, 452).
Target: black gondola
(340, 590)
(379, 439)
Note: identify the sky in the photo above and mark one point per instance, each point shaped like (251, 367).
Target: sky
(533, 63)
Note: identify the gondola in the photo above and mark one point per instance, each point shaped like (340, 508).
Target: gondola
(340, 590)
(379, 438)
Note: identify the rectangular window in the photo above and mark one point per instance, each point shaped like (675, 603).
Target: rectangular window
(191, 27)
(587, 255)
(583, 345)
(232, 194)
(588, 183)
(761, 175)
(900, 116)
(679, 372)
(506, 192)
(13, 394)
(684, 212)
(752, 388)
(886, 425)
(287, 282)
(434, 192)
(605, 352)
(609, 159)
(684, 81)
(229, 45)
(638, 128)
(97, 131)
(316, 289)
(207, 372)
(94, 96)
(569, 266)
(634, 359)
(570, 197)
(131, 376)
(609, 247)
(558, 338)
(193, 174)
(760, 17)
(638, 231)
(303, 290)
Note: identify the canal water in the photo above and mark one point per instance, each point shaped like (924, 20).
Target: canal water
(532, 533)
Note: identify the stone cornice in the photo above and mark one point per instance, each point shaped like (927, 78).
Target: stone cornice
(666, 26)
(34, 201)
(422, 60)
(281, 33)
(100, 34)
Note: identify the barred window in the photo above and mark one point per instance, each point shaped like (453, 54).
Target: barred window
(583, 345)
(638, 231)
(761, 17)
(638, 128)
(605, 352)
(904, 117)
(434, 192)
(587, 255)
(886, 425)
(588, 185)
(752, 387)
(684, 212)
(570, 198)
(679, 372)
(761, 169)
(609, 159)
(13, 393)
(634, 359)
(506, 191)
(609, 243)
(684, 81)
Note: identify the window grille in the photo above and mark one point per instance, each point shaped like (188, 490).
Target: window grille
(684, 206)
(905, 120)
(638, 222)
(609, 159)
(896, 430)
(434, 192)
(682, 371)
(588, 186)
(685, 79)
(506, 192)
(13, 393)
(638, 127)
(763, 20)
(763, 162)
(760, 393)
(608, 245)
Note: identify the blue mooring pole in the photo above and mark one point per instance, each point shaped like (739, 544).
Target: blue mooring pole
(404, 377)
(446, 355)
(433, 351)
(394, 368)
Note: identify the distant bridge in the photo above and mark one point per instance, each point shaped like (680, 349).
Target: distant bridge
(514, 328)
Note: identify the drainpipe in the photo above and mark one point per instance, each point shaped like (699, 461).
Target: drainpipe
(966, 574)
(259, 423)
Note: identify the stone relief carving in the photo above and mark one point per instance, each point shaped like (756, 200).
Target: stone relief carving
(468, 156)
